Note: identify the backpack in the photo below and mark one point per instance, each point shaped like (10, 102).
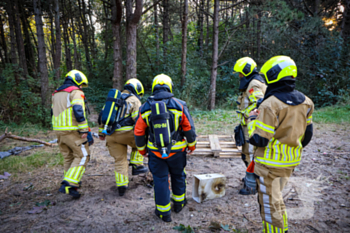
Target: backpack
(113, 111)
(160, 127)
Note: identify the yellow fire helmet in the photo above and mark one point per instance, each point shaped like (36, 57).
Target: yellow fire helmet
(78, 77)
(279, 67)
(244, 65)
(134, 86)
(163, 79)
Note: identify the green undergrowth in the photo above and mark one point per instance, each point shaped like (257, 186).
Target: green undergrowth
(22, 164)
(337, 114)
(24, 129)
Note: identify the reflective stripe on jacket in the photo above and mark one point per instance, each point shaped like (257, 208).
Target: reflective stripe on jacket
(182, 122)
(68, 111)
(278, 132)
(248, 99)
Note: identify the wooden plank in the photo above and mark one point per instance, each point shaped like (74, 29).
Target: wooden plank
(221, 155)
(208, 150)
(219, 136)
(214, 143)
(222, 146)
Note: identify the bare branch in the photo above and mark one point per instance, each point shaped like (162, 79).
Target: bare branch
(223, 63)
(149, 59)
(228, 39)
(108, 3)
(205, 12)
(307, 8)
(233, 5)
(150, 7)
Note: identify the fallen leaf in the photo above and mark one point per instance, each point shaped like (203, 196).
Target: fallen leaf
(37, 210)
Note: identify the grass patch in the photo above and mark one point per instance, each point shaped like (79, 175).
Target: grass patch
(20, 164)
(218, 121)
(24, 130)
(336, 114)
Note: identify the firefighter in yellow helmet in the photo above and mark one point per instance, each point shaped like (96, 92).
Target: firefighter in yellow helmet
(280, 129)
(252, 88)
(122, 134)
(71, 127)
(160, 131)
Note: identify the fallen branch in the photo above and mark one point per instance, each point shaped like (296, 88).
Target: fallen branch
(9, 135)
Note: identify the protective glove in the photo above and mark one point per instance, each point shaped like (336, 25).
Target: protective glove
(90, 139)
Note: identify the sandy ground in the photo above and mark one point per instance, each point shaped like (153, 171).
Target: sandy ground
(317, 196)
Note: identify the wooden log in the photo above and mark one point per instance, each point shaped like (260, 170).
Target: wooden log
(9, 135)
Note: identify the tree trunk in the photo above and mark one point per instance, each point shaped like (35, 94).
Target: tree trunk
(117, 12)
(345, 32)
(53, 48)
(3, 41)
(106, 37)
(200, 27)
(132, 20)
(165, 28)
(345, 27)
(85, 35)
(157, 33)
(42, 54)
(258, 42)
(214, 67)
(93, 44)
(248, 34)
(29, 50)
(77, 63)
(57, 60)
(207, 19)
(184, 43)
(67, 51)
(12, 31)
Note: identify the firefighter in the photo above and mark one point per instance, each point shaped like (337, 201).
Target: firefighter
(252, 88)
(280, 129)
(181, 125)
(120, 138)
(71, 127)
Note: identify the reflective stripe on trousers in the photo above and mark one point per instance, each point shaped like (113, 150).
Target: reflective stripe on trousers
(74, 174)
(271, 213)
(121, 180)
(136, 158)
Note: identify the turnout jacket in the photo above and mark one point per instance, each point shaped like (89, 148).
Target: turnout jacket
(127, 124)
(181, 125)
(249, 97)
(68, 109)
(281, 131)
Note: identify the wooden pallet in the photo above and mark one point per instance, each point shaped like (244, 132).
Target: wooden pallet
(219, 146)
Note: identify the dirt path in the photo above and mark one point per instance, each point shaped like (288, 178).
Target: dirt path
(317, 197)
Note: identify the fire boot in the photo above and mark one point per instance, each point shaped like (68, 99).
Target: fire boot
(122, 190)
(165, 218)
(178, 206)
(136, 170)
(249, 186)
(68, 189)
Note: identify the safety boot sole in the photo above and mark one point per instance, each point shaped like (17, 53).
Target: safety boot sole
(67, 189)
(165, 218)
(136, 171)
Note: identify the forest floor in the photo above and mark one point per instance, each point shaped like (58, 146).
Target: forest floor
(317, 195)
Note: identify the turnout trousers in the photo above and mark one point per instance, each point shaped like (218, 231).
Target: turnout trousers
(160, 169)
(273, 212)
(117, 144)
(247, 149)
(76, 154)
